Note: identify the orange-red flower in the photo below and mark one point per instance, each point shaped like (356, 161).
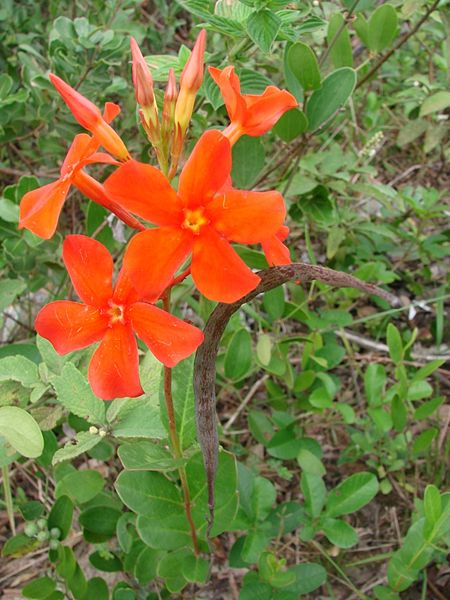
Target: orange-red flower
(90, 117)
(40, 208)
(201, 219)
(112, 315)
(250, 114)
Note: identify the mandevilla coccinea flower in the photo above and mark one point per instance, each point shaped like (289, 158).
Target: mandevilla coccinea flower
(40, 208)
(202, 219)
(111, 315)
(250, 114)
(90, 117)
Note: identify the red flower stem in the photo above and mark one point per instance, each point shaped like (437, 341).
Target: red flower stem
(174, 439)
(179, 278)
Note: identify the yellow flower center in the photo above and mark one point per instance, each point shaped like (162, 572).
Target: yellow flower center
(194, 220)
(116, 314)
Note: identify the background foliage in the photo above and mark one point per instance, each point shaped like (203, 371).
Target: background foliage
(333, 479)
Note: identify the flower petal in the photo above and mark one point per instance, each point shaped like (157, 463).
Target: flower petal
(114, 367)
(217, 270)
(143, 190)
(247, 217)
(70, 326)
(81, 147)
(275, 251)
(263, 111)
(230, 88)
(168, 338)
(90, 267)
(206, 170)
(40, 208)
(152, 258)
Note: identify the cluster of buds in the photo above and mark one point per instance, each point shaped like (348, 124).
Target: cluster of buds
(167, 134)
(372, 145)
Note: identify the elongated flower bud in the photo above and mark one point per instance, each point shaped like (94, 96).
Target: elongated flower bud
(90, 117)
(170, 98)
(143, 84)
(190, 82)
(192, 75)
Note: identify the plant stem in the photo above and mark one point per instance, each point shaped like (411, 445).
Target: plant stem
(8, 498)
(175, 441)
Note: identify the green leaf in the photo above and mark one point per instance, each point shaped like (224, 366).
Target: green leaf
(238, 357)
(195, 569)
(341, 52)
(146, 456)
(302, 62)
(310, 463)
(428, 408)
(101, 520)
(262, 27)
(248, 160)
(361, 26)
(18, 368)
(84, 441)
(340, 533)
(80, 486)
(395, 344)
(147, 565)
(39, 588)
(264, 349)
(61, 516)
(432, 504)
(435, 103)
(75, 394)
(291, 125)
(424, 440)
(325, 102)
(97, 589)
(21, 431)
(9, 290)
(6, 84)
(399, 413)
(411, 131)
(314, 491)
(382, 28)
(136, 418)
(310, 576)
(149, 493)
(352, 494)
(164, 532)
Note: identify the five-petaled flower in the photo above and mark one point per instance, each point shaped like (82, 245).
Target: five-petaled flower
(203, 218)
(40, 208)
(250, 114)
(110, 315)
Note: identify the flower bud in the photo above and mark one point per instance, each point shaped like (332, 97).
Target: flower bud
(192, 75)
(142, 78)
(190, 82)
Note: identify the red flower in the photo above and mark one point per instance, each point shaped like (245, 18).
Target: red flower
(250, 114)
(202, 219)
(110, 315)
(90, 117)
(40, 208)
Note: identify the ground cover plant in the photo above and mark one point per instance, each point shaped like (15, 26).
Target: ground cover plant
(224, 254)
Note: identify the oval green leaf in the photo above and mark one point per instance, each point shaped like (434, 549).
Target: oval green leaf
(21, 431)
(303, 63)
(382, 28)
(335, 91)
(352, 494)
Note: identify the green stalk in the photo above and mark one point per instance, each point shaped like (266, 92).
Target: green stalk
(8, 498)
